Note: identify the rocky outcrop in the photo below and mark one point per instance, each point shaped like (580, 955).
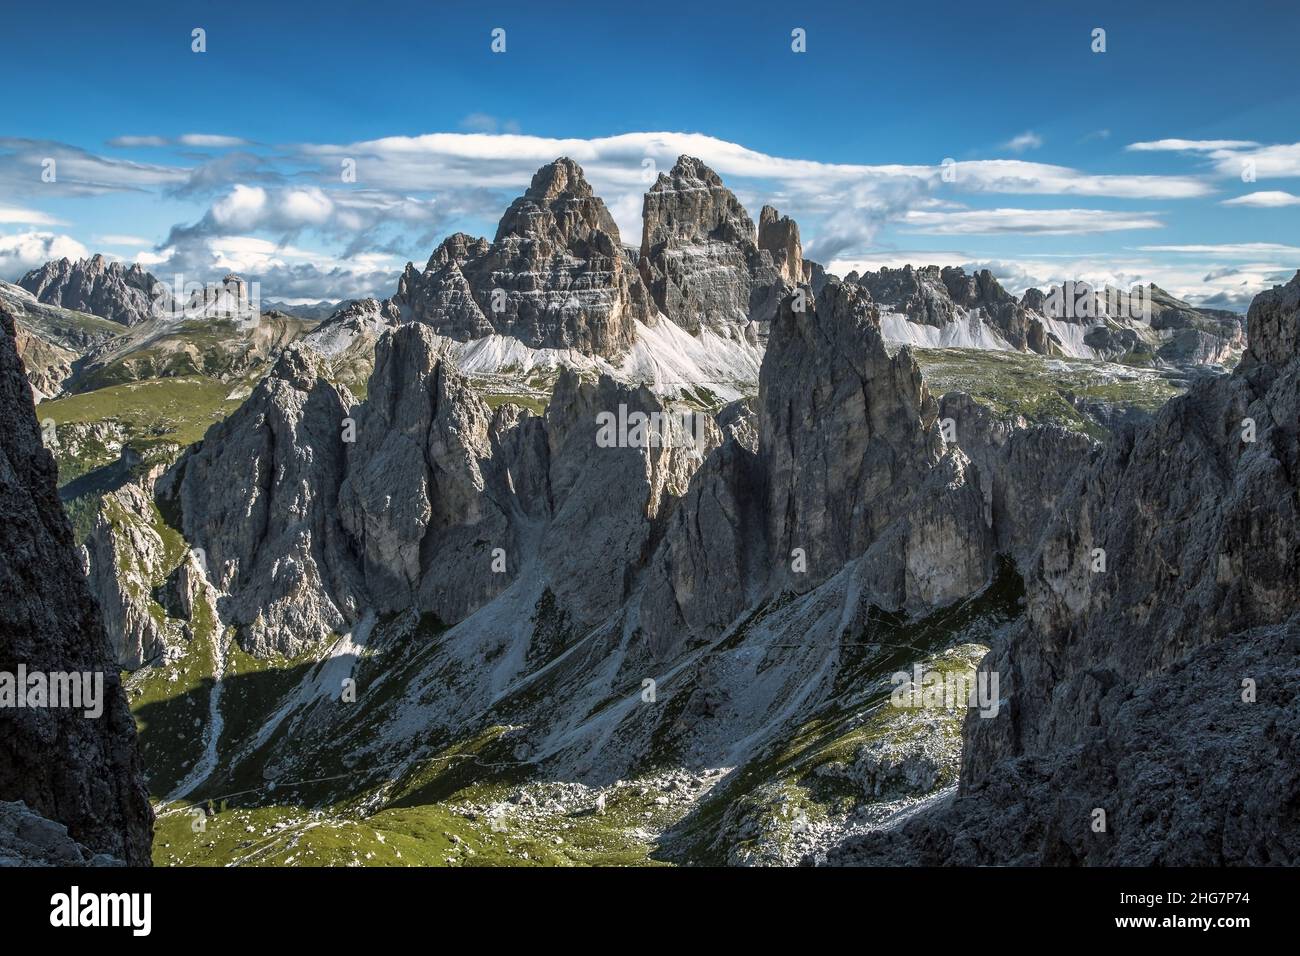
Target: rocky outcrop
(556, 275)
(1273, 323)
(82, 772)
(918, 293)
(258, 496)
(28, 839)
(439, 503)
(1025, 470)
(778, 236)
(124, 553)
(48, 365)
(848, 432)
(108, 289)
(1156, 676)
(701, 256)
(416, 498)
(849, 470)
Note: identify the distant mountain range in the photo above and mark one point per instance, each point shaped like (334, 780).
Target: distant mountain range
(686, 311)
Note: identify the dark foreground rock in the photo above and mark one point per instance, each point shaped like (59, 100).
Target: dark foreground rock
(81, 772)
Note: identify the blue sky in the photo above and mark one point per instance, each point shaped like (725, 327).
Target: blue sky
(202, 162)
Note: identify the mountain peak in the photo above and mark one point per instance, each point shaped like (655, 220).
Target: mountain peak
(559, 205)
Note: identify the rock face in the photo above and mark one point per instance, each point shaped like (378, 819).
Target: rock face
(919, 293)
(348, 336)
(438, 505)
(48, 365)
(122, 550)
(849, 435)
(555, 276)
(964, 310)
(778, 236)
(94, 285)
(1025, 471)
(1159, 685)
(51, 339)
(1195, 336)
(258, 496)
(81, 772)
(848, 471)
(701, 257)
(417, 486)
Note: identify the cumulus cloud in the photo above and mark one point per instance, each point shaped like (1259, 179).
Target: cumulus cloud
(25, 251)
(282, 271)
(349, 216)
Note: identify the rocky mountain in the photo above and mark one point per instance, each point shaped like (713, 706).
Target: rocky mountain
(932, 307)
(225, 349)
(51, 340)
(703, 260)
(555, 276)
(271, 537)
(1155, 677)
(79, 771)
(741, 558)
(556, 288)
(563, 605)
(122, 294)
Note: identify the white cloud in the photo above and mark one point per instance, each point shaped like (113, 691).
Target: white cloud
(240, 209)
(128, 142)
(77, 172)
(30, 217)
(1050, 222)
(1233, 250)
(25, 251)
(114, 239)
(1190, 145)
(196, 140)
(486, 123)
(1026, 140)
(211, 141)
(1265, 199)
(1281, 161)
(1019, 176)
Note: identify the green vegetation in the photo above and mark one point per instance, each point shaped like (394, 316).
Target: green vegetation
(801, 778)
(148, 417)
(534, 404)
(176, 410)
(170, 703)
(1045, 391)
